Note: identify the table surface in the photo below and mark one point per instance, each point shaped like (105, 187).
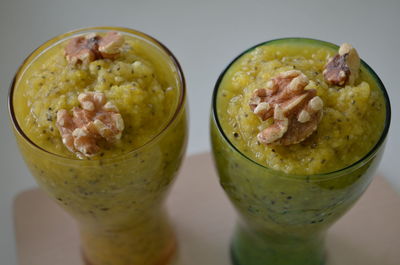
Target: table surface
(205, 36)
(369, 234)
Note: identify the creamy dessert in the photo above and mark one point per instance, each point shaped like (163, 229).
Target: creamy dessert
(297, 129)
(289, 107)
(100, 120)
(105, 87)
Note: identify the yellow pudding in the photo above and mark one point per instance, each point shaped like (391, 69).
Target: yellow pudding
(116, 194)
(352, 121)
(136, 82)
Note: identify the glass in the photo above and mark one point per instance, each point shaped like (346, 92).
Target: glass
(118, 202)
(270, 230)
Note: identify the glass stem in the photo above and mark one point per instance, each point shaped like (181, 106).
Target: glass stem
(251, 248)
(151, 242)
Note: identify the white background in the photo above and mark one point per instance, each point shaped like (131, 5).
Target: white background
(204, 36)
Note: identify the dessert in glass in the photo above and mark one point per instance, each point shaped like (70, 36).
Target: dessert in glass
(99, 115)
(298, 127)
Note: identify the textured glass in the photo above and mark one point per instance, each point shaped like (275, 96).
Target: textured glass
(117, 202)
(275, 227)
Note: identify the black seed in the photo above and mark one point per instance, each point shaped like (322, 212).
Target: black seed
(104, 209)
(235, 134)
(289, 197)
(272, 202)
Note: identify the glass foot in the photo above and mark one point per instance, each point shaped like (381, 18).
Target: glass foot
(248, 248)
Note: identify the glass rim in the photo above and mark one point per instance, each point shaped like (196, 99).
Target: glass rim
(357, 164)
(62, 37)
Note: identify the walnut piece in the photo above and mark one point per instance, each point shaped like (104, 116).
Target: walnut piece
(96, 119)
(343, 68)
(85, 49)
(296, 112)
(110, 44)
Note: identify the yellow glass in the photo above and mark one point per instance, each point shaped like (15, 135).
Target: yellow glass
(118, 202)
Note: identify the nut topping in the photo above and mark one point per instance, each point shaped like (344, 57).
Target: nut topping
(85, 49)
(96, 119)
(343, 68)
(296, 112)
(110, 44)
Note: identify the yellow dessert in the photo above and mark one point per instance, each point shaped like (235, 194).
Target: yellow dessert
(298, 129)
(351, 124)
(136, 82)
(116, 190)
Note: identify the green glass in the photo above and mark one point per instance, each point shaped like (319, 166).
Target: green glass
(283, 218)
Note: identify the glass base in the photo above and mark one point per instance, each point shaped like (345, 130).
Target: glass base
(166, 258)
(235, 261)
(250, 249)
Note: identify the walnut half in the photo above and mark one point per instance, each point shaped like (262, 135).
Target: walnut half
(296, 112)
(343, 68)
(96, 119)
(85, 49)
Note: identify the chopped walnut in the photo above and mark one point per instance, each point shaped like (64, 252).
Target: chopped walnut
(296, 112)
(85, 49)
(96, 119)
(343, 68)
(110, 44)
(77, 50)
